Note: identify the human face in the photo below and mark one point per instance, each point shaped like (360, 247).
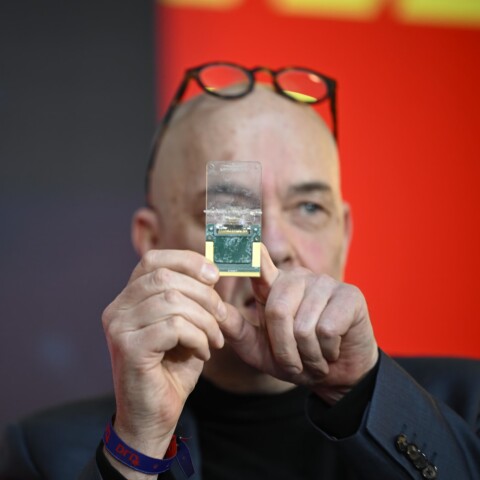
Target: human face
(305, 223)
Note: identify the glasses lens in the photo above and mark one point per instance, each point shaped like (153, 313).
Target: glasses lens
(302, 85)
(224, 80)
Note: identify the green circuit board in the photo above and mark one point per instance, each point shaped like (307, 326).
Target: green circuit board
(235, 249)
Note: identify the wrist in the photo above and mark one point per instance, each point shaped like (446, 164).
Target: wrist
(137, 460)
(146, 437)
(136, 465)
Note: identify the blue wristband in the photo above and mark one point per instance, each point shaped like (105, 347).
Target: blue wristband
(143, 463)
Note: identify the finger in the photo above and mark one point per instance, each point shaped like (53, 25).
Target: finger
(249, 342)
(336, 319)
(316, 298)
(163, 279)
(184, 261)
(280, 310)
(164, 336)
(172, 303)
(269, 273)
(237, 330)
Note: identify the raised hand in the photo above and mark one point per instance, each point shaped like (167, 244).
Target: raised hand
(312, 330)
(160, 330)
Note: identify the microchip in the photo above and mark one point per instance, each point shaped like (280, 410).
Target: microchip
(234, 249)
(233, 229)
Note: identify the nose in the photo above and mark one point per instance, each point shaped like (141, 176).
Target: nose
(277, 238)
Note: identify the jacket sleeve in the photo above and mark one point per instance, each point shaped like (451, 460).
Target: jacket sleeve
(57, 443)
(18, 462)
(407, 433)
(15, 461)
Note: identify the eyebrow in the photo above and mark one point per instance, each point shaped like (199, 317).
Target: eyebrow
(228, 188)
(233, 190)
(309, 187)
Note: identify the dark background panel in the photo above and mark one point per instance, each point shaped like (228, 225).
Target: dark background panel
(76, 117)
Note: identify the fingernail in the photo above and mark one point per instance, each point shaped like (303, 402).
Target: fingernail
(209, 272)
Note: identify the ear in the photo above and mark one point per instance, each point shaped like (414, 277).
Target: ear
(145, 230)
(347, 232)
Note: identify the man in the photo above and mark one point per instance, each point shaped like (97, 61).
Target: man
(286, 375)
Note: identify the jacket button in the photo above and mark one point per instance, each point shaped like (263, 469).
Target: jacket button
(413, 453)
(401, 442)
(429, 472)
(421, 462)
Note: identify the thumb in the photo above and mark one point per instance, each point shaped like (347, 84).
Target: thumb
(269, 273)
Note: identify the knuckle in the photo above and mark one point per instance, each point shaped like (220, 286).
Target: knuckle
(326, 281)
(162, 277)
(113, 332)
(351, 291)
(172, 296)
(276, 311)
(297, 271)
(354, 295)
(326, 331)
(298, 275)
(107, 317)
(174, 322)
(302, 332)
(149, 260)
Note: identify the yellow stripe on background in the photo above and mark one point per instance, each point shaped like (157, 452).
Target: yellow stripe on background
(443, 12)
(355, 9)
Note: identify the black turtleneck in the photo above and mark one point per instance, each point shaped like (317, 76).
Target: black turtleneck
(263, 436)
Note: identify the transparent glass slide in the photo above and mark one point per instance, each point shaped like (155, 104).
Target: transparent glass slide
(233, 228)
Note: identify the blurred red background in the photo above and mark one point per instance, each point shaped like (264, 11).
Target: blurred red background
(409, 118)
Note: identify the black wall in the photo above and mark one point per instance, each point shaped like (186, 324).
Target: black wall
(76, 117)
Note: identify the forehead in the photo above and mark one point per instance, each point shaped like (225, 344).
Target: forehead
(289, 139)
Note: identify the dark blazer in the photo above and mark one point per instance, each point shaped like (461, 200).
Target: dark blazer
(440, 415)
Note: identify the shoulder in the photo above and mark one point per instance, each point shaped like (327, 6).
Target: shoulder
(441, 372)
(454, 381)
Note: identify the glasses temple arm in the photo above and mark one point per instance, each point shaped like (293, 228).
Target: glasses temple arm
(333, 109)
(176, 99)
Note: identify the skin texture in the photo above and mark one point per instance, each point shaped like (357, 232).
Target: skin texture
(297, 324)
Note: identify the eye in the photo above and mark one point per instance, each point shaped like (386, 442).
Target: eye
(310, 208)
(309, 215)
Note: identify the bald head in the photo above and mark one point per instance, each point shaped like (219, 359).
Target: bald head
(211, 129)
